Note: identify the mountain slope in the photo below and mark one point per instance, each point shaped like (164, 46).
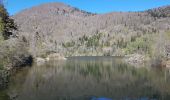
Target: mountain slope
(160, 12)
(56, 27)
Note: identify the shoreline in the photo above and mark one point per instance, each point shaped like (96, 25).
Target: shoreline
(10, 69)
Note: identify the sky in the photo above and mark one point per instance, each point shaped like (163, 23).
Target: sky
(95, 6)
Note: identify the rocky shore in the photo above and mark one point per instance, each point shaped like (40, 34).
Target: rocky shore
(138, 59)
(50, 57)
(135, 59)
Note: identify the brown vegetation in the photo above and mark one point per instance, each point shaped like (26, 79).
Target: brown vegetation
(56, 27)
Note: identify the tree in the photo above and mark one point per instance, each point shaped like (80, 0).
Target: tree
(7, 24)
(1, 25)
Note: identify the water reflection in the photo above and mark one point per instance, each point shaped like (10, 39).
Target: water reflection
(90, 78)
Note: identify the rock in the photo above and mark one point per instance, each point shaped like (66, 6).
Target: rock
(56, 56)
(47, 59)
(40, 61)
(134, 59)
(168, 64)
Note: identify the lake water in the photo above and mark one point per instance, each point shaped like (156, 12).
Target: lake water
(89, 78)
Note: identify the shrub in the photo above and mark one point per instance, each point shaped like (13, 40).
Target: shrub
(93, 40)
(7, 24)
(68, 44)
(13, 52)
(141, 45)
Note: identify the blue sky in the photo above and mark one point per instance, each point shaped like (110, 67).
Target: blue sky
(95, 6)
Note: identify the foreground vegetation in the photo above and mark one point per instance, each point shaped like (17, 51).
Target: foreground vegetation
(13, 50)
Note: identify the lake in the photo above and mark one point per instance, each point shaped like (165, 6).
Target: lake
(89, 78)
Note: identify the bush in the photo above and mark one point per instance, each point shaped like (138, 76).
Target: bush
(68, 44)
(13, 53)
(94, 40)
(141, 45)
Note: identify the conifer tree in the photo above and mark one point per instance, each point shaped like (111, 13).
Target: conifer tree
(7, 24)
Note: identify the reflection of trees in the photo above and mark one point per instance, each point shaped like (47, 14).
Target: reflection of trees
(78, 79)
(4, 96)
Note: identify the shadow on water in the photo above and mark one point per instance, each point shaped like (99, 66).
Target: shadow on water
(4, 96)
(89, 78)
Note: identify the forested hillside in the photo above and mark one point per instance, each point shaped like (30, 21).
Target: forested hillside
(56, 27)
